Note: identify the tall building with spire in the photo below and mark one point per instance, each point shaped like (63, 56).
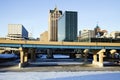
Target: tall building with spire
(97, 29)
(53, 24)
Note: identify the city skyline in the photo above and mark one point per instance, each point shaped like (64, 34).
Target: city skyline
(33, 14)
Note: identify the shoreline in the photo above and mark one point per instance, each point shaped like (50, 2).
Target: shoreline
(69, 68)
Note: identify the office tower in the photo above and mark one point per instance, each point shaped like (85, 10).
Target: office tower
(53, 24)
(17, 31)
(67, 26)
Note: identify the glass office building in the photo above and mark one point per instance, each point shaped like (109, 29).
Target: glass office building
(67, 26)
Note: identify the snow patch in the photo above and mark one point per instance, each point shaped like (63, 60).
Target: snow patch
(86, 75)
(8, 55)
(55, 56)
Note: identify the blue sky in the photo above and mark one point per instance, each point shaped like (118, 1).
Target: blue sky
(33, 14)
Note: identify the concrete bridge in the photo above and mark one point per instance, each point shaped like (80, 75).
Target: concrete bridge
(26, 47)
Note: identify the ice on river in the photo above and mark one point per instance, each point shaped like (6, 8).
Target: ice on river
(85, 75)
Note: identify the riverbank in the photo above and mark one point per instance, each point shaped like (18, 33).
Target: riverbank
(57, 65)
(67, 68)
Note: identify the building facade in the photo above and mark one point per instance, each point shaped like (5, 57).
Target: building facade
(44, 36)
(97, 30)
(115, 34)
(86, 35)
(17, 31)
(67, 26)
(100, 33)
(53, 24)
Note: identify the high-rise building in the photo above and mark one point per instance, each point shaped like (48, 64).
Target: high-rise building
(17, 31)
(67, 26)
(53, 24)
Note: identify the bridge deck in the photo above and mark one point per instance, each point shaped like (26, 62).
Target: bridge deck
(39, 44)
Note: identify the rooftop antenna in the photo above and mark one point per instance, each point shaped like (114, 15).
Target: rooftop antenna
(97, 23)
(55, 4)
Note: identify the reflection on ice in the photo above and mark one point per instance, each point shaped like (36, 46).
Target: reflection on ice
(55, 56)
(4, 56)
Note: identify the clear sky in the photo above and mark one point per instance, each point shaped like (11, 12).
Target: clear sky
(33, 14)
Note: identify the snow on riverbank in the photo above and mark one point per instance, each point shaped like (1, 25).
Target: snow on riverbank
(8, 55)
(55, 56)
(99, 75)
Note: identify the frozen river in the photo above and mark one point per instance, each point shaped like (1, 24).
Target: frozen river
(85, 75)
(80, 75)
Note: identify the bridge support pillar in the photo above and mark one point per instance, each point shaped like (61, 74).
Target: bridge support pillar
(86, 51)
(49, 54)
(72, 55)
(100, 61)
(113, 53)
(78, 56)
(26, 57)
(94, 57)
(33, 55)
(101, 55)
(23, 57)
